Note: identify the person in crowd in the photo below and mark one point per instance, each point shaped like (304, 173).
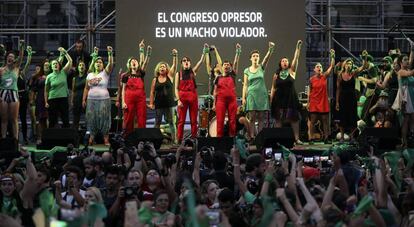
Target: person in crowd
(381, 112)
(285, 103)
(255, 97)
(9, 99)
(162, 94)
(56, 91)
(78, 85)
(73, 196)
(318, 104)
(186, 93)
(133, 91)
(96, 98)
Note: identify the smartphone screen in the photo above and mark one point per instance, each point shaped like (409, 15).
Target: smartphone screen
(268, 153)
(308, 159)
(278, 156)
(213, 217)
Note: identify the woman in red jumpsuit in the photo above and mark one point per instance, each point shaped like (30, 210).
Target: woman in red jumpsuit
(318, 104)
(186, 92)
(225, 93)
(133, 91)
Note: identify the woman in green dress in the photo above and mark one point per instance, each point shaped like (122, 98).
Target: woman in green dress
(255, 97)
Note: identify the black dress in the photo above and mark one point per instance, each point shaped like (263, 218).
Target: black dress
(348, 104)
(285, 103)
(78, 95)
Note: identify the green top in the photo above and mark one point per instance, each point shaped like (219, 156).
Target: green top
(9, 207)
(8, 81)
(257, 98)
(57, 85)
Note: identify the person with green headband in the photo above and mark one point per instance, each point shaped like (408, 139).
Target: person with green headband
(390, 81)
(96, 97)
(255, 97)
(346, 100)
(9, 98)
(56, 91)
(283, 96)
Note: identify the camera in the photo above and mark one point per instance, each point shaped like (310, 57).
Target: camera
(130, 192)
(207, 153)
(170, 160)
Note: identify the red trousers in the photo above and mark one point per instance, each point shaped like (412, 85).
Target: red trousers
(223, 104)
(189, 100)
(136, 107)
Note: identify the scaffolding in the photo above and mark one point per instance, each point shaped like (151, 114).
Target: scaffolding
(47, 25)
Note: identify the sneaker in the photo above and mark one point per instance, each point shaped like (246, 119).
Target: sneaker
(298, 142)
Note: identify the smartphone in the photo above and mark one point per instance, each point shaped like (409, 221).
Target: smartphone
(277, 156)
(57, 223)
(213, 217)
(268, 153)
(308, 159)
(324, 158)
(316, 158)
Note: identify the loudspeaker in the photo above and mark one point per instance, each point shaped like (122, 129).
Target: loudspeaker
(146, 134)
(52, 137)
(270, 137)
(219, 143)
(8, 150)
(383, 138)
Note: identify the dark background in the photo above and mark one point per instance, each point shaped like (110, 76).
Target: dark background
(284, 22)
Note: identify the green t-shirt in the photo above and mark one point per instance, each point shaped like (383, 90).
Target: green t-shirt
(57, 85)
(8, 81)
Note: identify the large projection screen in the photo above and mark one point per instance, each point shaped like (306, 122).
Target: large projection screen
(187, 24)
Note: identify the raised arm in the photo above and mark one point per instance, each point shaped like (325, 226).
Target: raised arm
(174, 64)
(295, 60)
(21, 53)
(411, 57)
(219, 60)
(208, 63)
(405, 73)
(268, 54)
(94, 57)
(141, 46)
(68, 65)
(203, 55)
(28, 61)
(236, 58)
(110, 64)
(236, 170)
(332, 63)
(147, 58)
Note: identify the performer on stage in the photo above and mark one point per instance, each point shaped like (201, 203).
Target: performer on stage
(186, 92)
(56, 91)
(389, 69)
(9, 99)
(37, 84)
(285, 102)
(78, 85)
(404, 101)
(23, 94)
(162, 93)
(346, 101)
(225, 93)
(133, 90)
(96, 97)
(318, 104)
(255, 97)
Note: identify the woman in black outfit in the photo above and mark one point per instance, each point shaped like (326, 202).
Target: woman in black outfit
(24, 94)
(78, 85)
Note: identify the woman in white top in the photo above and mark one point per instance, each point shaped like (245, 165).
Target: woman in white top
(96, 97)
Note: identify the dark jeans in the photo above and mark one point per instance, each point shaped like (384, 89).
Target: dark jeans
(58, 106)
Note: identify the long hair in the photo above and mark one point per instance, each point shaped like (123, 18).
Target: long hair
(129, 70)
(15, 195)
(279, 69)
(77, 72)
(400, 58)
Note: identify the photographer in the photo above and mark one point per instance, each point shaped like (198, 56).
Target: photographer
(73, 197)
